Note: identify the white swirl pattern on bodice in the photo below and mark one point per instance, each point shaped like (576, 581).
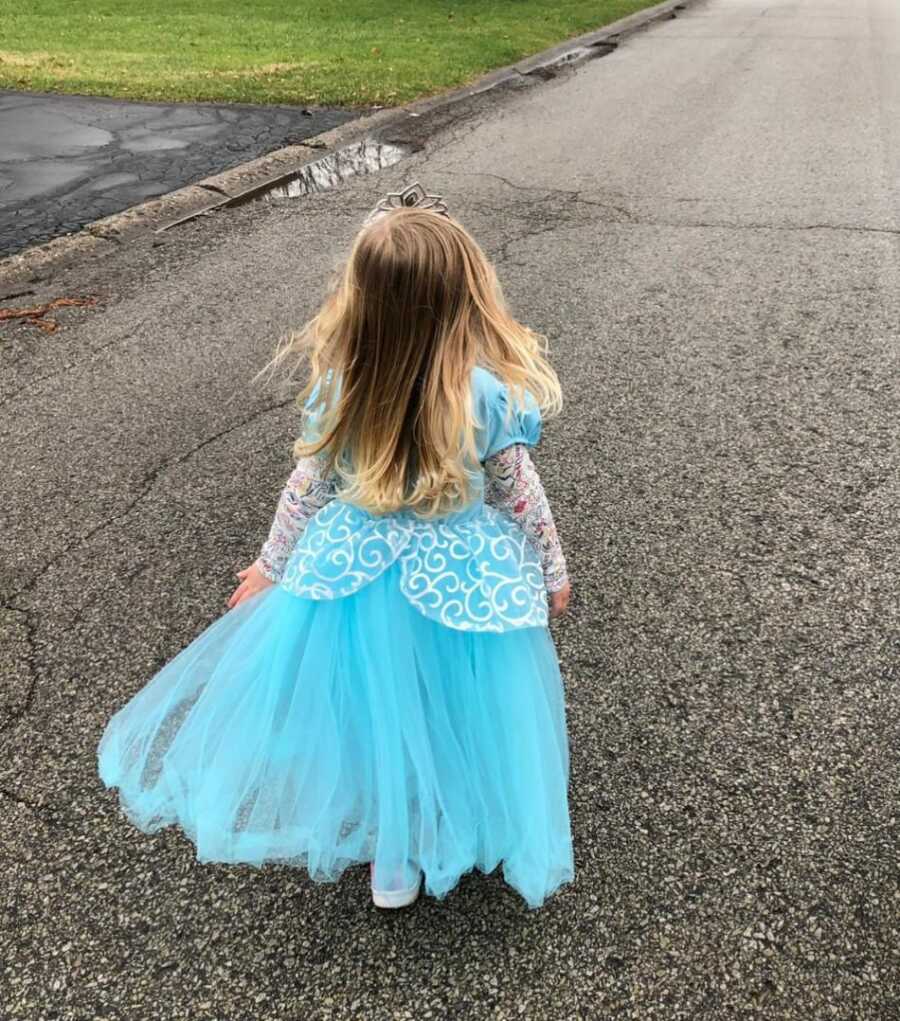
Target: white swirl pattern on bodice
(478, 573)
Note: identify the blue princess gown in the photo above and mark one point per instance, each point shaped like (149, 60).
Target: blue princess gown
(395, 698)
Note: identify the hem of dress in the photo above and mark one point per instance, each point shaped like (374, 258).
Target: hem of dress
(301, 859)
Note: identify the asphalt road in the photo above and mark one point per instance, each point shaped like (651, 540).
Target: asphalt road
(66, 161)
(706, 225)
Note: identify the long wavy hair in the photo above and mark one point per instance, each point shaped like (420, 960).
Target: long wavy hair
(390, 356)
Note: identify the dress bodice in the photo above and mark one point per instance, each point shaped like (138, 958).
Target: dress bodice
(473, 569)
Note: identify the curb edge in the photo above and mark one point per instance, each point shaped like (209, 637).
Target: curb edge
(203, 196)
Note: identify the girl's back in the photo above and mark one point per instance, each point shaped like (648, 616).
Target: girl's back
(384, 688)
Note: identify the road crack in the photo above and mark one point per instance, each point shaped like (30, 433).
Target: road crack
(17, 713)
(629, 217)
(146, 486)
(38, 811)
(723, 225)
(69, 366)
(574, 195)
(502, 253)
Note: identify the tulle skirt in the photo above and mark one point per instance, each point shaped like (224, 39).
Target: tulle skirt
(328, 733)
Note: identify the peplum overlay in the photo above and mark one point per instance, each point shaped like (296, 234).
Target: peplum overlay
(476, 572)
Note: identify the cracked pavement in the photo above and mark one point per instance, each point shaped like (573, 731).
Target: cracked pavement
(66, 161)
(705, 225)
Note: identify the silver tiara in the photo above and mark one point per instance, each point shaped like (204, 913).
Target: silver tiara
(413, 195)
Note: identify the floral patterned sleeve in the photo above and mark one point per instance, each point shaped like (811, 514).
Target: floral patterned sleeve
(308, 490)
(514, 487)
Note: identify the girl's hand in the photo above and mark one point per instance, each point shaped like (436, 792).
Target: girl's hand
(559, 600)
(252, 581)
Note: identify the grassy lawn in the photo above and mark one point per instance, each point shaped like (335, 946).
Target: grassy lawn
(328, 52)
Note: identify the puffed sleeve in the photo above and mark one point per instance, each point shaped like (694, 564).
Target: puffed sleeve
(312, 410)
(311, 416)
(501, 421)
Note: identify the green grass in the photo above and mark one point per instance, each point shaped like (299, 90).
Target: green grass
(330, 52)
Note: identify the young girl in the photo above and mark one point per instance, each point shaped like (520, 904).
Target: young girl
(384, 688)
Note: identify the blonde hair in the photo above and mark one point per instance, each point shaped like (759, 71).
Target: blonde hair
(390, 355)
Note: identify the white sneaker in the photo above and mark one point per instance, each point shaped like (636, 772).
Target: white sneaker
(399, 897)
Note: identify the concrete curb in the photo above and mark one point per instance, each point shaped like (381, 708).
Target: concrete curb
(222, 189)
